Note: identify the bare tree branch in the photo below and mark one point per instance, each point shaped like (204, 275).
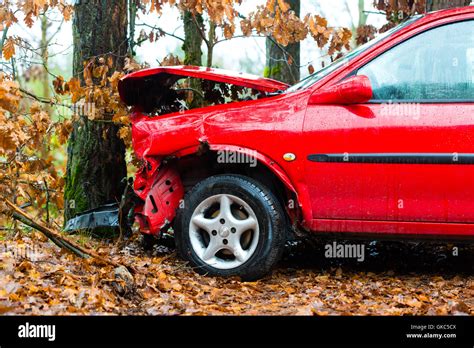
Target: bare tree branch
(161, 31)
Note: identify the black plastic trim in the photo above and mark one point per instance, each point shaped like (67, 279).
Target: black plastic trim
(395, 158)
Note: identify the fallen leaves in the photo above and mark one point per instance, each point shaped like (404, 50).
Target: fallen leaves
(57, 283)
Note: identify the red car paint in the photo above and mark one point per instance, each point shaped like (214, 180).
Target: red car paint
(218, 75)
(391, 198)
(156, 214)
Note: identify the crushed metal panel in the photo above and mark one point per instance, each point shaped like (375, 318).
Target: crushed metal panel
(145, 86)
(105, 216)
(162, 194)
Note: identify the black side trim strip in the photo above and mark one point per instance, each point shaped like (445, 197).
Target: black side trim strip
(395, 158)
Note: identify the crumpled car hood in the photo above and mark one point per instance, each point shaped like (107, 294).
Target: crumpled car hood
(134, 87)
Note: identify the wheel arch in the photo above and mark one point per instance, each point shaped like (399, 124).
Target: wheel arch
(267, 172)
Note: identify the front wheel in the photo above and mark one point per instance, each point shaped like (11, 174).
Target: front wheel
(231, 225)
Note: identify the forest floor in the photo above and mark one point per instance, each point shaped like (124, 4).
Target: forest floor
(38, 278)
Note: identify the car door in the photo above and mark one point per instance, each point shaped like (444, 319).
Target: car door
(408, 155)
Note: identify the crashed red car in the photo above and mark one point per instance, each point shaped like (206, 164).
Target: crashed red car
(378, 143)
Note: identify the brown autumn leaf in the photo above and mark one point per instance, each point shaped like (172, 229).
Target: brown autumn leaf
(8, 50)
(283, 5)
(365, 33)
(131, 65)
(58, 84)
(124, 133)
(75, 89)
(171, 60)
(168, 287)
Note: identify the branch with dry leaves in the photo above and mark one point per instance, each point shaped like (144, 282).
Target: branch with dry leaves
(59, 239)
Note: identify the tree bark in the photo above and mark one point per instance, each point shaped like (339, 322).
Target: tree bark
(193, 38)
(192, 47)
(96, 156)
(283, 63)
(362, 14)
(435, 5)
(211, 41)
(44, 59)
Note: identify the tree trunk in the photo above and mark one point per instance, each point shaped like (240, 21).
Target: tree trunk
(193, 38)
(192, 47)
(96, 156)
(283, 63)
(362, 14)
(211, 42)
(44, 59)
(435, 5)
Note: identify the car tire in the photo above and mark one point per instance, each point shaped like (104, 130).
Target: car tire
(231, 225)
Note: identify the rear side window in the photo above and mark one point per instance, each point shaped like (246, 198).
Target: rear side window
(437, 65)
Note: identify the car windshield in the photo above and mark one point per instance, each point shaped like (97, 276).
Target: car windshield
(312, 79)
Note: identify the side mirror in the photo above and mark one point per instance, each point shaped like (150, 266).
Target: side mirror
(354, 90)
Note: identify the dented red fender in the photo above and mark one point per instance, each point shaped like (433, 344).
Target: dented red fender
(244, 127)
(179, 134)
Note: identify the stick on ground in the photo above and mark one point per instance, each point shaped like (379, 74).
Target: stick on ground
(58, 238)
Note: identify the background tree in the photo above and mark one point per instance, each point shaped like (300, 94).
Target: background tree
(283, 62)
(274, 19)
(44, 76)
(398, 10)
(434, 5)
(28, 172)
(192, 47)
(193, 38)
(96, 155)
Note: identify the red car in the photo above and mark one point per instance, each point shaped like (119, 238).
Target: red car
(380, 142)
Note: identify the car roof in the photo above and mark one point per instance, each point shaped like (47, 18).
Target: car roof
(460, 13)
(435, 15)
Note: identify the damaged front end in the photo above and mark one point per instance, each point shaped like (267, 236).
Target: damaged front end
(159, 187)
(168, 92)
(155, 96)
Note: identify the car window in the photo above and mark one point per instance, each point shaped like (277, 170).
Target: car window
(312, 79)
(437, 65)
